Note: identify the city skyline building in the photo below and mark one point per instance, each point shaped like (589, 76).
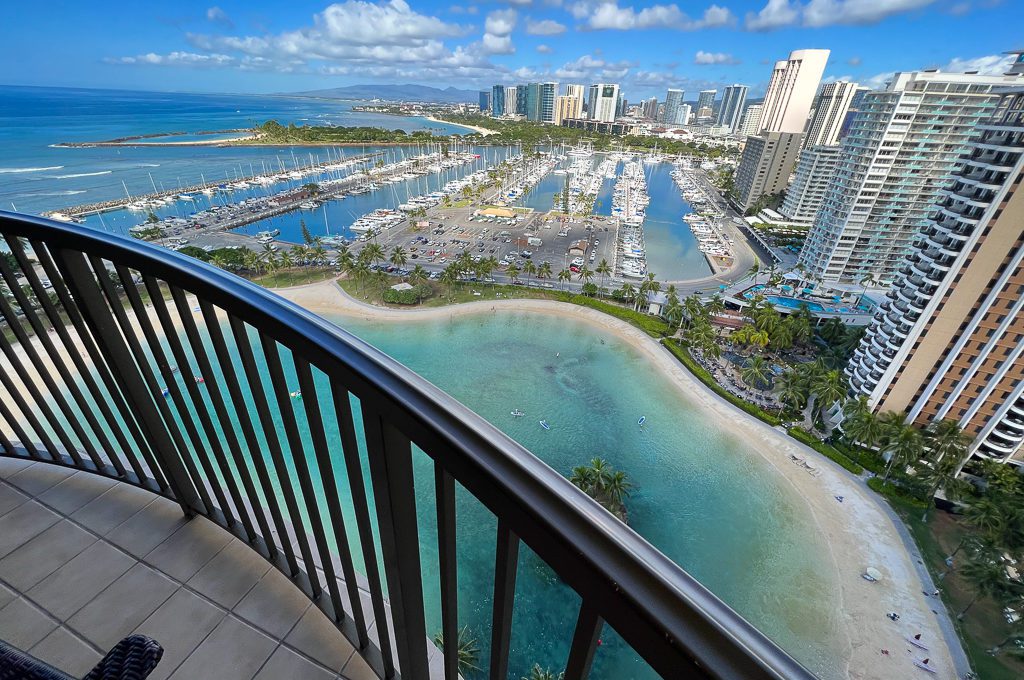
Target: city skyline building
(548, 95)
(485, 100)
(673, 100)
(706, 103)
(814, 171)
(566, 107)
(902, 148)
(826, 125)
(498, 101)
(731, 109)
(683, 114)
(511, 100)
(769, 156)
(751, 118)
(765, 166)
(791, 89)
(602, 102)
(948, 341)
(521, 93)
(649, 108)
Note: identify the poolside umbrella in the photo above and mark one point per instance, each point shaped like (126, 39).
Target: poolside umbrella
(873, 573)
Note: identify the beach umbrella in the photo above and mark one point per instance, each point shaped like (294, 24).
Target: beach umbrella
(873, 573)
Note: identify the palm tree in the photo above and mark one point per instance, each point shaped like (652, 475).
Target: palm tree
(792, 389)
(756, 371)
(673, 312)
(449, 277)
(469, 650)
(860, 424)
(345, 259)
(985, 515)
(563, 276)
(716, 305)
(286, 260)
(830, 387)
(319, 255)
(398, 257)
(617, 487)
(544, 270)
(941, 474)
(946, 439)
(374, 252)
(512, 271)
(529, 268)
(903, 447)
(538, 673)
(753, 271)
(604, 269)
(986, 576)
(628, 291)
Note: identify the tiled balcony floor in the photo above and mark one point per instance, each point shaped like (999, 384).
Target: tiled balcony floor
(85, 561)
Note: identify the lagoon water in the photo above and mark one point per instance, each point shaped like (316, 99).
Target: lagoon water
(718, 510)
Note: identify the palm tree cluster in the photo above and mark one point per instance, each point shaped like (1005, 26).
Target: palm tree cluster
(468, 653)
(603, 483)
(696, 316)
(812, 387)
(770, 330)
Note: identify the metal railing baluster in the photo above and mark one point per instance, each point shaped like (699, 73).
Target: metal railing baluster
(210, 383)
(357, 489)
(447, 558)
(57, 362)
(40, 405)
(131, 374)
(241, 409)
(269, 427)
(584, 641)
(390, 455)
(19, 431)
(506, 566)
(99, 363)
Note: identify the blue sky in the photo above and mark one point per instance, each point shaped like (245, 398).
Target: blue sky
(275, 46)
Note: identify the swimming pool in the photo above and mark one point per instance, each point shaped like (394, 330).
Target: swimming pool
(793, 303)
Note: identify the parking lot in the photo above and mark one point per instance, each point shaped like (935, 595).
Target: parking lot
(528, 235)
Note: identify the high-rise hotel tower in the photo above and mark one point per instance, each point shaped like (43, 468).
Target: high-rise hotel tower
(948, 343)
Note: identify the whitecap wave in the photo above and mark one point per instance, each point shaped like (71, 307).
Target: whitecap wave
(147, 165)
(69, 192)
(83, 174)
(11, 171)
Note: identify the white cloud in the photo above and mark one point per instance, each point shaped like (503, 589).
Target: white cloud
(544, 27)
(775, 14)
(703, 58)
(854, 61)
(817, 13)
(498, 29)
(607, 15)
(991, 65)
(544, 49)
(218, 16)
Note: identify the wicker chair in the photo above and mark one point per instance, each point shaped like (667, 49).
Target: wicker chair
(133, 658)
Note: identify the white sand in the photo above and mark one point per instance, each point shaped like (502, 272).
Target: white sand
(475, 128)
(857, 531)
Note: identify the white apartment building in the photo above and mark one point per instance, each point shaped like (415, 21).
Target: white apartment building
(814, 172)
(826, 124)
(751, 118)
(902, 148)
(603, 102)
(673, 100)
(567, 106)
(791, 91)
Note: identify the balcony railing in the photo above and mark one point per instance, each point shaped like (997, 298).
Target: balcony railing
(315, 484)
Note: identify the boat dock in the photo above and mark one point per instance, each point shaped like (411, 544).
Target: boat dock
(215, 185)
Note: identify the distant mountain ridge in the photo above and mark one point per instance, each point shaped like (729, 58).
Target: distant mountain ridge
(408, 92)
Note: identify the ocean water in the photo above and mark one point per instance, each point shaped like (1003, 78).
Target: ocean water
(35, 176)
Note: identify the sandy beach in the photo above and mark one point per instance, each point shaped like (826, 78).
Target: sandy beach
(475, 128)
(858, 531)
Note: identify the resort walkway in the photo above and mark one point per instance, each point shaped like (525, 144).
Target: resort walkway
(85, 561)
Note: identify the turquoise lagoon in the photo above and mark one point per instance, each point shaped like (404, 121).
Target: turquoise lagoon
(718, 510)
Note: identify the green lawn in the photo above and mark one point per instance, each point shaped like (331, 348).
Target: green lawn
(286, 278)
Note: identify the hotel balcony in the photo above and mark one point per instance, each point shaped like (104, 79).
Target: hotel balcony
(256, 530)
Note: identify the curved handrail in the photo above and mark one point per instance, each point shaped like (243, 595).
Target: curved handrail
(669, 618)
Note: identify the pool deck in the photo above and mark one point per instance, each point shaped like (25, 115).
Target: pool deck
(85, 561)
